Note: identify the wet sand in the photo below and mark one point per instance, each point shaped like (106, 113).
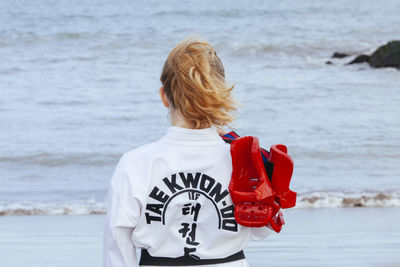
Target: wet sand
(312, 237)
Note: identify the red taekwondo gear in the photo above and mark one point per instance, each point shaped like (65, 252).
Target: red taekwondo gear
(260, 181)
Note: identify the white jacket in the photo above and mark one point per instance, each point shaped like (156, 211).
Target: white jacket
(171, 197)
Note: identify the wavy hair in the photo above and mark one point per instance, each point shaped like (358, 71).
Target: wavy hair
(193, 78)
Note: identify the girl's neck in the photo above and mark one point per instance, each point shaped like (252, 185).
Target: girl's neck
(177, 119)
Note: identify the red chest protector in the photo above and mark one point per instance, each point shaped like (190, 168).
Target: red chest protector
(260, 181)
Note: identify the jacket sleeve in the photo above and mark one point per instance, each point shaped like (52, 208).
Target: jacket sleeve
(259, 233)
(118, 248)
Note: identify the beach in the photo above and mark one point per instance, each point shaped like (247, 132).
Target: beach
(311, 237)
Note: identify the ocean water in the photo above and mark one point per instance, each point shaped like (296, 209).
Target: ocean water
(79, 81)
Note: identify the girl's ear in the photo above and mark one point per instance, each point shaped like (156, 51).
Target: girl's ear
(163, 97)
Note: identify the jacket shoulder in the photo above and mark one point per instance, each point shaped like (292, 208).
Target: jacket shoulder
(141, 151)
(135, 160)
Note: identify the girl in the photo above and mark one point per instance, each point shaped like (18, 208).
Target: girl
(170, 198)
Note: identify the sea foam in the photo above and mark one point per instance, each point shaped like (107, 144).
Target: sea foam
(305, 200)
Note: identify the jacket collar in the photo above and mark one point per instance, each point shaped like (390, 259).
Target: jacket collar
(192, 137)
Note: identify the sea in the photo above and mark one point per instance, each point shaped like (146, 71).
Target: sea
(79, 86)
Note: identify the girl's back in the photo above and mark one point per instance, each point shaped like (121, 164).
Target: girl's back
(170, 198)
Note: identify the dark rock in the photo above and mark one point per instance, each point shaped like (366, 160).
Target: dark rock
(329, 63)
(339, 55)
(386, 56)
(360, 59)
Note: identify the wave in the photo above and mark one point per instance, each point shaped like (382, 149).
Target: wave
(305, 200)
(11, 39)
(348, 199)
(77, 208)
(319, 49)
(52, 160)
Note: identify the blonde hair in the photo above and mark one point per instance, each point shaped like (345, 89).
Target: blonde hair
(194, 81)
